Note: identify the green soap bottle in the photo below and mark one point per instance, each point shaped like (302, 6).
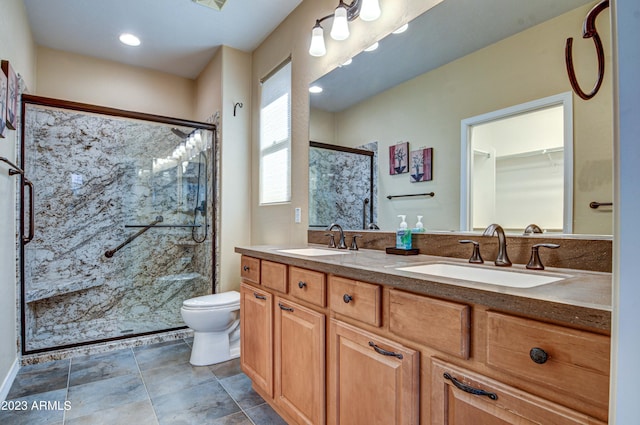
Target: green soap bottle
(403, 235)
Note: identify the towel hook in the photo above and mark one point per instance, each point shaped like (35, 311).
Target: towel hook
(588, 31)
(235, 106)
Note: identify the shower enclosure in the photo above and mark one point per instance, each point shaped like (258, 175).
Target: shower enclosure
(342, 185)
(116, 230)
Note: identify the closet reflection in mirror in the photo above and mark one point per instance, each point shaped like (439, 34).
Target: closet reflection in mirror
(517, 167)
(449, 75)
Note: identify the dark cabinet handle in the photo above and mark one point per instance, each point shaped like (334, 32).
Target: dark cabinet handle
(538, 355)
(347, 298)
(302, 284)
(284, 307)
(468, 389)
(385, 352)
(246, 268)
(260, 297)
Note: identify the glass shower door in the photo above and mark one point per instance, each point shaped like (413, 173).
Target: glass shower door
(123, 220)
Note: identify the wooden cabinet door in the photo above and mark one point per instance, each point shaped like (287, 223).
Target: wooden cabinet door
(461, 397)
(256, 336)
(300, 362)
(372, 380)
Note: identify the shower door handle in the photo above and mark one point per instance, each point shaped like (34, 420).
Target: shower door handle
(32, 225)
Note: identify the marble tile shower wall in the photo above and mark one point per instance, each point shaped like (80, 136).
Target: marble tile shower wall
(338, 185)
(94, 175)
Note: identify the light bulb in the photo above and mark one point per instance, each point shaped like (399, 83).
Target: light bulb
(317, 47)
(370, 10)
(340, 28)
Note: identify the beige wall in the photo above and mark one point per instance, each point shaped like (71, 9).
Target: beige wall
(18, 48)
(274, 224)
(220, 86)
(80, 78)
(427, 110)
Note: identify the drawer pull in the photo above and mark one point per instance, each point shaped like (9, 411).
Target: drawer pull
(246, 268)
(347, 298)
(468, 389)
(385, 352)
(302, 284)
(260, 297)
(538, 355)
(284, 307)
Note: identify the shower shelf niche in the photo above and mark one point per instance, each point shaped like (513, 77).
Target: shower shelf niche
(60, 287)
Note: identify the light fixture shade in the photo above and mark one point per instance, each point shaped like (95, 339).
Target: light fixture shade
(340, 28)
(317, 47)
(370, 10)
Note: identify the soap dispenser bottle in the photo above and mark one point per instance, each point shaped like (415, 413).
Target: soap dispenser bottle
(403, 234)
(419, 226)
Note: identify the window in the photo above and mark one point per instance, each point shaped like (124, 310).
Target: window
(275, 137)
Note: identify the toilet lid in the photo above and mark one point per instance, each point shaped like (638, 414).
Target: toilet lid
(222, 299)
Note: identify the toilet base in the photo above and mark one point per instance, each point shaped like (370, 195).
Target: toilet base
(213, 347)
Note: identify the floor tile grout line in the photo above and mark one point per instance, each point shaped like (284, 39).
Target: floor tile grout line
(236, 402)
(135, 358)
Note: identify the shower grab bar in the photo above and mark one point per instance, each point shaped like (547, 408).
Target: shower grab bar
(137, 226)
(14, 168)
(130, 239)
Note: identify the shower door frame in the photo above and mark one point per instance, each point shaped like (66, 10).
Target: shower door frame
(28, 99)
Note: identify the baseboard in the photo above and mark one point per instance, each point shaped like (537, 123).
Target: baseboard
(8, 380)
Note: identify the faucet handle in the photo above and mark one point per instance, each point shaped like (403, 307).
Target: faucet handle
(476, 258)
(332, 240)
(354, 243)
(534, 262)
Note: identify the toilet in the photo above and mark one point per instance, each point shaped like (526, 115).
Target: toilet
(215, 320)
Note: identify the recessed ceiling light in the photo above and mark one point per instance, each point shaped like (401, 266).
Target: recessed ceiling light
(315, 89)
(401, 29)
(371, 48)
(129, 39)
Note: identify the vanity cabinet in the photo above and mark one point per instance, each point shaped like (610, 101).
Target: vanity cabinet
(372, 380)
(327, 349)
(256, 336)
(300, 361)
(462, 397)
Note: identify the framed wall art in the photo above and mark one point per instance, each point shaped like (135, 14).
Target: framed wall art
(421, 165)
(11, 113)
(3, 104)
(399, 158)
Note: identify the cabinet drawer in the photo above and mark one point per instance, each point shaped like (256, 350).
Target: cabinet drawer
(439, 324)
(358, 300)
(308, 285)
(577, 362)
(250, 269)
(274, 276)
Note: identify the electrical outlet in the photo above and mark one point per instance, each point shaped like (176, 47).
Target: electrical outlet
(298, 215)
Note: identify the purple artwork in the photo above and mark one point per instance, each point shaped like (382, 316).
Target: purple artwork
(420, 164)
(398, 158)
(3, 104)
(11, 96)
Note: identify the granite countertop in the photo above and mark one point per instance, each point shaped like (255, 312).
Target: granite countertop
(582, 300)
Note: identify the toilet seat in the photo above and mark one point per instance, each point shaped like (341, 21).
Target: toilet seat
(213, 301)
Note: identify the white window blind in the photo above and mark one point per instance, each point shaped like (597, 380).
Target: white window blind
(275, 137)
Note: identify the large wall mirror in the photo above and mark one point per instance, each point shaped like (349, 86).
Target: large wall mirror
(461, 60)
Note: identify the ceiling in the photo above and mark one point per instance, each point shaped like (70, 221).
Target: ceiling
(448, 31)
(178, 37)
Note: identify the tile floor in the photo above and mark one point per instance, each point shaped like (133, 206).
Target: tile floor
(153, 384)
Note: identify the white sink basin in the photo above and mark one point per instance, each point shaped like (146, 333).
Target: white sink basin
(512, 279)
(313, 252)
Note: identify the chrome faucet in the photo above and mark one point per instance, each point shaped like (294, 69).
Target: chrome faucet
(502, 259)
(532, 228)
(341, 243)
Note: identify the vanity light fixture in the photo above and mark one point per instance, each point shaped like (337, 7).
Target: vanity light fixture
(347, 62)
(401, 29)
(129, 39)
(373, 47)
(315, 89)
(367, 10)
